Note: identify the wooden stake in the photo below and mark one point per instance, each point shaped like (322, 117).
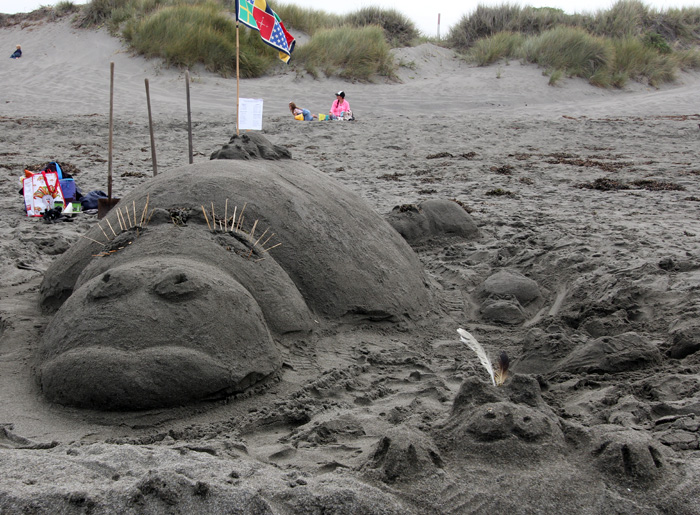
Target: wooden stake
(134, 207)
(111, 132)
(189, 116)
(150, 129)
(126, 208)
(206, 217)
(226, 215)
(213, 216)
(233, 219)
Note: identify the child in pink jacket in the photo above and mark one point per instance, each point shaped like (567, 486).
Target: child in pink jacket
(340, 107)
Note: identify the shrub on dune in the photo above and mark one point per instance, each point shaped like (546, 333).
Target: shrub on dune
(398, 29)
(188, 34)
(307, 20)
(572, 50)
(491, 49)
(347, 52)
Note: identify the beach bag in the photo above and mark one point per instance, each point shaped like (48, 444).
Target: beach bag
(68, 189)
(42, 191)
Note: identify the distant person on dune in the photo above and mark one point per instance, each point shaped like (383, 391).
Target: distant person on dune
(298, 111)
(17, 53)
(340, 109)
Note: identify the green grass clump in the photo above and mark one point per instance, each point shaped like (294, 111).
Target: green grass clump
(688, 59)
(98, 12)
(347, 52)
(489, 50)
(65, 7)
(185, 35)
(306, 20)
(398, 29)
(572, 50)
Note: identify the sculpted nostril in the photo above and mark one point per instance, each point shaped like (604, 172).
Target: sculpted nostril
(176, 286)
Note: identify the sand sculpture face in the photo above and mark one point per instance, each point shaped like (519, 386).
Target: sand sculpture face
(183, 306)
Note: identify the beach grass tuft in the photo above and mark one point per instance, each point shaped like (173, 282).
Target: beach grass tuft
(185, 35)
(348, 52)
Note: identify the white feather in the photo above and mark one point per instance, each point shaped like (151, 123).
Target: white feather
(479, 350)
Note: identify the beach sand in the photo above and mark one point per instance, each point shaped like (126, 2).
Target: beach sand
(587, 197)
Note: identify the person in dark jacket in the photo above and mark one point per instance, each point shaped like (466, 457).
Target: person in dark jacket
(17, 53)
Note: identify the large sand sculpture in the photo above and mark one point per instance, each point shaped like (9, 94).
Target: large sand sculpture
(191, 286)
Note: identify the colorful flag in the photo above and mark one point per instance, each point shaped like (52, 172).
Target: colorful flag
(259, 16)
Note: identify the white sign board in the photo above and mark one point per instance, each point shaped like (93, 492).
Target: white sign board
(250, 113)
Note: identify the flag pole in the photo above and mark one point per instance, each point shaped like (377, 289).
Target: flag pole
(237, 80)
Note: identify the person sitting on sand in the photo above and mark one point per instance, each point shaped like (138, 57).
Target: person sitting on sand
(298, 111)
(17, 53)
(340, 109)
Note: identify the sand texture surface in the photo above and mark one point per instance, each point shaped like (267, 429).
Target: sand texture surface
(576, 250)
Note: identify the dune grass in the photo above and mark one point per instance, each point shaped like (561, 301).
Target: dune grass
(608, 48)
(399, 31)
(348, 52)
(187, 34)
(629, 41)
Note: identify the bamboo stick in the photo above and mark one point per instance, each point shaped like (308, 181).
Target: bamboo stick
(145, 210)
(240, 217)
(252, 231)
(233, 220)
(213, 216)
(94, 241)
(226, 215)
(110, 227)
(206, 217)
(260, 238)
(277, 245)
(103, 231)
(268, 239)
(119, 219)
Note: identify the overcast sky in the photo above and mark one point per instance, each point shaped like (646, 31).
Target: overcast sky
(451, 11)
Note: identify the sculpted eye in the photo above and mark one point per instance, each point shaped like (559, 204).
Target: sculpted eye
(178, 285)
(112, 284)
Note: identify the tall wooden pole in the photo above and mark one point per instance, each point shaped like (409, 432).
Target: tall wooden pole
(189, 117)
(150, 129)
(238, 105)
(111, 132)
